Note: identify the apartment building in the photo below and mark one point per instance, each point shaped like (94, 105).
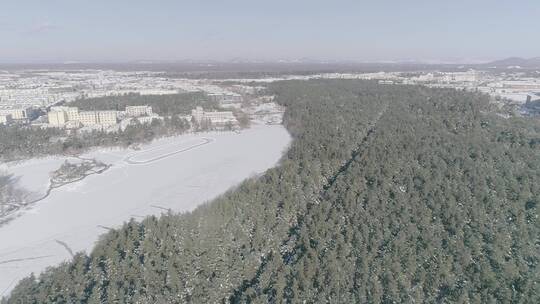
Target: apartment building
(215, 118)
(107, 118)
(57, 118)
(70, 113)
(136, 111)
(60, 116)
(17, 113)
(88, 118)
(5, 119)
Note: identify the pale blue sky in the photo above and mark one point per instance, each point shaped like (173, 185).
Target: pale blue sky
(121, 30)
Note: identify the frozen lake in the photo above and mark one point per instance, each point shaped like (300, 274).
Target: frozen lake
(176, 173)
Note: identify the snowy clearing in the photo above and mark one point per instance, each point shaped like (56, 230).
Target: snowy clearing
(176, 173)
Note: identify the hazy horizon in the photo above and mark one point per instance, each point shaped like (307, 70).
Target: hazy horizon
(124, 31)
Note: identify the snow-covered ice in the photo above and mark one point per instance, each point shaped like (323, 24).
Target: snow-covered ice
(178, 173)
(33, 175)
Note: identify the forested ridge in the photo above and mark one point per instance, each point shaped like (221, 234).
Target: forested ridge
(388, 194)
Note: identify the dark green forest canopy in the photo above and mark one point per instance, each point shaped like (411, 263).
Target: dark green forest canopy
(387, 194)
(165, 105)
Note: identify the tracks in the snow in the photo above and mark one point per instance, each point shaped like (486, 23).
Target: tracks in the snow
(129, 159)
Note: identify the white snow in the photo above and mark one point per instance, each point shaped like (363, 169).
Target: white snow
(33, 175)
(178, 173)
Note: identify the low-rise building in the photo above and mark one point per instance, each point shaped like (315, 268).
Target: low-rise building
(469, 76)
(5, 119)
(225, 97)
(214, 118)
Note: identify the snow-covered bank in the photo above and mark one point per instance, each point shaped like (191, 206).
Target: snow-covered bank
(174, 173)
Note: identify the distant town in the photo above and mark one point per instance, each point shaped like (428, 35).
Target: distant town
(72, 118)
(37, 98)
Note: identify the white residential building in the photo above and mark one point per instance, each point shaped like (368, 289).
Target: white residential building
(215, 118)
(60, 116)
(88, 118)
(136, 111)
(469, 76)
(72, 113)
(57, 118)
(5, 119)
(107, 118)
(69, 113)
(16, 113)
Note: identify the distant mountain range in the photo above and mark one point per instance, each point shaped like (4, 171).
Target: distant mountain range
(287, 65)
(516, 62)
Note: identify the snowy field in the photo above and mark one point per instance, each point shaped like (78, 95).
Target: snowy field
(176, 173)
(33, 175)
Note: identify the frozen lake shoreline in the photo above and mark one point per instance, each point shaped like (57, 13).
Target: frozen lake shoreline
(176, 173)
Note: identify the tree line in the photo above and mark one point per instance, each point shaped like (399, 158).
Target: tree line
(164, 105)
(22, 142)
